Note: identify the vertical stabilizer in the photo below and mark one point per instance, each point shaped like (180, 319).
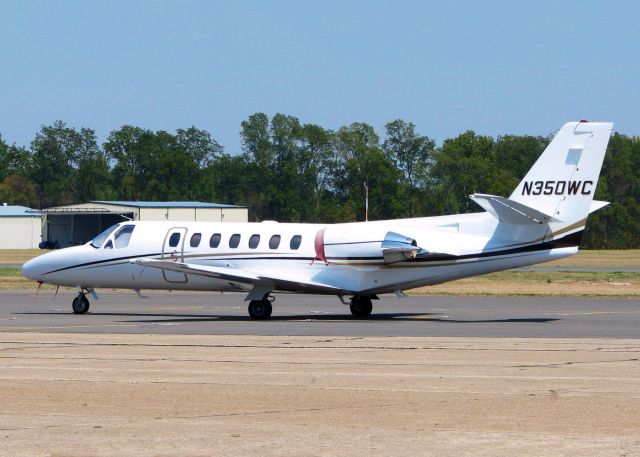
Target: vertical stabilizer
(562, 182)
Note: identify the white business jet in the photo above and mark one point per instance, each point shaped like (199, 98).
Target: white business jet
(542, 220)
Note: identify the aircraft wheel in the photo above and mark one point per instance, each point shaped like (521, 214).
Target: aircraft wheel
(361, 307)
(260, 309)
(80, 304)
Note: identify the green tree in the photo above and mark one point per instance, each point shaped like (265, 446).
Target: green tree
(18, 190)
(314, 163)
(160, 166)
(231, 179)
(465, 165)
(412, 156)
(129, 148)
(258, 151)
(291, 171)
(14, 160)
(92, 176)
(360, 161)
(516, 154)
(199, 145)
(618, 225)
(287, 161)
(67, 165)
(256, 142)
(285, 182)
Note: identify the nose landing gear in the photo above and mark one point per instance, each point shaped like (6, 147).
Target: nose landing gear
(81, 303)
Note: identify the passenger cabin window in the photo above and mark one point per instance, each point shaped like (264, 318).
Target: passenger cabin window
(214, 241)
(174, 239)
(123, 236)
(274, 242)
(254, 241)
(295, 242)
(234, 241)
(194, 242)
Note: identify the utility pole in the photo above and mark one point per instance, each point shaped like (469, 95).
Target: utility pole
(366, 202)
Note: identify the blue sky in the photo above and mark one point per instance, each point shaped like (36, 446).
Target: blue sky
(495, 67)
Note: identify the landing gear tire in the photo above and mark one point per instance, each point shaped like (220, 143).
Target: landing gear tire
(361, 307)
(260, 309)
(80, 304)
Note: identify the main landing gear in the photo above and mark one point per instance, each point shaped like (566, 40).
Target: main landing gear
(361, 307)
(261, 309)
(80, 304)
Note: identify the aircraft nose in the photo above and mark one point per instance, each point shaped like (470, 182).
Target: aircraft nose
(33, 269)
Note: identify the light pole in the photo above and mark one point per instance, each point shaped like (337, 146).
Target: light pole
(366, 202)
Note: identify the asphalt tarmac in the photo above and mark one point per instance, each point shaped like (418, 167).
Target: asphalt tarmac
(191, 374)
(182, 313)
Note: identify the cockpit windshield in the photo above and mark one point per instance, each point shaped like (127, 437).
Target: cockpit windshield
(100, 239)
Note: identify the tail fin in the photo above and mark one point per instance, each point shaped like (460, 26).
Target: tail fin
(562, 182)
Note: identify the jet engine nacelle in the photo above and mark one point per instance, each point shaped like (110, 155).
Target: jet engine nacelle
(347, 245)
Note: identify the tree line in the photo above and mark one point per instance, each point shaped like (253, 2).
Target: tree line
(294, 172)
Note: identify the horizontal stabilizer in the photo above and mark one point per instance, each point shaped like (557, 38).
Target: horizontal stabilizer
(509, 211)
(596, 205)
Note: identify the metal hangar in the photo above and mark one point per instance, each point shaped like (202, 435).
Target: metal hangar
(72, 225)
(19, 227)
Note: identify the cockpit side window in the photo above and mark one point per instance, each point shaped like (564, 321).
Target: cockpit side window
(123, 236)
(102, 237)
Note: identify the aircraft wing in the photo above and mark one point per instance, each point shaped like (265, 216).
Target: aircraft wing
(227, 274)
(263, 281)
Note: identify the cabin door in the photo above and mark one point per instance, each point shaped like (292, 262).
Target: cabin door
(173, 249)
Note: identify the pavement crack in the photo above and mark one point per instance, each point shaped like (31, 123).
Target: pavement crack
(294, 410)
(575, 362)
(16, 429)
(315, 346)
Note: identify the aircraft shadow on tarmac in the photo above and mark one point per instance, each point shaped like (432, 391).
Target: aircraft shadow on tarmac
(148, 318)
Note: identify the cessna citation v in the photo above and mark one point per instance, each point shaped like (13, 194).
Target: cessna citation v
(542, 220)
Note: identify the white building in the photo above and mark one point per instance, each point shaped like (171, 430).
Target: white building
(20, 227)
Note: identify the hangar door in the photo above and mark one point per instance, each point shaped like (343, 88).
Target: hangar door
(76, 228)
